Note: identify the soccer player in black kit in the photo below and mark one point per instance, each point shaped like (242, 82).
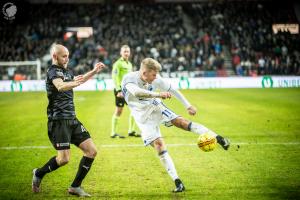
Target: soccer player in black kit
(63, 126)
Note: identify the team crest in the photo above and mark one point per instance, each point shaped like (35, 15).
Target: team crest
(9, 11)
(59, 73)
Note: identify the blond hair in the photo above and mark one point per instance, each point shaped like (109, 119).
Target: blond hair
(150, 64)
(125, 47)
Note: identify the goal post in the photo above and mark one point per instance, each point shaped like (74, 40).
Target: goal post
(36, 63)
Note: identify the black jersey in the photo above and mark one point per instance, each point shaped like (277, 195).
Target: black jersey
(61, 104)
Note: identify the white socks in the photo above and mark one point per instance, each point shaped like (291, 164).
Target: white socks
(167, 162)
(200, 129)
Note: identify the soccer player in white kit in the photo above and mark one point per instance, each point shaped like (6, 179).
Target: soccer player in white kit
(139, 90)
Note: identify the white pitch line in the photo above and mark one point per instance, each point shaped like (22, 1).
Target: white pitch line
(25, 147)
(139, 145)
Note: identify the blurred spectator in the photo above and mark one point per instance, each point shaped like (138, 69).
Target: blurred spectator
(240, 32)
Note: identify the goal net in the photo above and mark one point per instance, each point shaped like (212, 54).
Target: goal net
(28, 70)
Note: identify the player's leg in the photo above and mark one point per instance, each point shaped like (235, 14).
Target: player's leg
(166, 160)
(151, 135)
(54, 163)
(131, 127)
(89, 153)
(115, 118)
(81, 138)
(58, 133)
(197, 128)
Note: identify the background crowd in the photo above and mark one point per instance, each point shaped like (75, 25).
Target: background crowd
(203, 39)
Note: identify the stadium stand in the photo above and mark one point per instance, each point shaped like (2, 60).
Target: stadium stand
(203, 39)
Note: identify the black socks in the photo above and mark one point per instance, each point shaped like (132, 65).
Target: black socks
(50, 166)
(84, 167)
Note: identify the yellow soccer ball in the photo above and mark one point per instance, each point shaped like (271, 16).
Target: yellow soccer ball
(207, 142)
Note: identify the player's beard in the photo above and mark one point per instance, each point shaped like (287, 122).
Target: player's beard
(65, 65)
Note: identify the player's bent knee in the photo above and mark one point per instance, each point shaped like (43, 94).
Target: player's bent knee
(63, 157)
(159, 145)
(63, 160)
(94, 153)
(91, 153)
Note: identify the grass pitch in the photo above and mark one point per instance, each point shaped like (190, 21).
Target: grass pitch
(262, 163)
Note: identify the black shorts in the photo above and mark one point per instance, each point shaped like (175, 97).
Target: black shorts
(64, 132)
(120, 102)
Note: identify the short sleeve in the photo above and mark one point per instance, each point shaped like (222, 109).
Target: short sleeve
(54, 73)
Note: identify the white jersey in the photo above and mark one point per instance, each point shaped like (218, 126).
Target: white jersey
(141, 108)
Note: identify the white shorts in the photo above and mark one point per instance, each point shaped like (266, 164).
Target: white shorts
(150, 129)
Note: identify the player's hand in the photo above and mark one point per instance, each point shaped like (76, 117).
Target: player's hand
(99, 67)
(165, 95)
(120, 95)
(192, 110)
(79, 79)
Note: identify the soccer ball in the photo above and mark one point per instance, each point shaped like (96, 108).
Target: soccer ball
(207, 142)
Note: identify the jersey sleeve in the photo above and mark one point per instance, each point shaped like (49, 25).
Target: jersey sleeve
(54, 73)
(180, 97)
(167, 87)
(162, 84)
(116, 76)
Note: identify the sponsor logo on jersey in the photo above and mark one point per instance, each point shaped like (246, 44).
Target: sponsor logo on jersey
(64, 144)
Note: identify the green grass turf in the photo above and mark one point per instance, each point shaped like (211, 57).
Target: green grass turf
(265, 123)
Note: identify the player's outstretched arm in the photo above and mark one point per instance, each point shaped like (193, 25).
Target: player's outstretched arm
(97, 68)
(182, 99)
(192, 110)
(139, 92)
(165, 95)
(78, 80)
(166, 86)
(64, 86)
